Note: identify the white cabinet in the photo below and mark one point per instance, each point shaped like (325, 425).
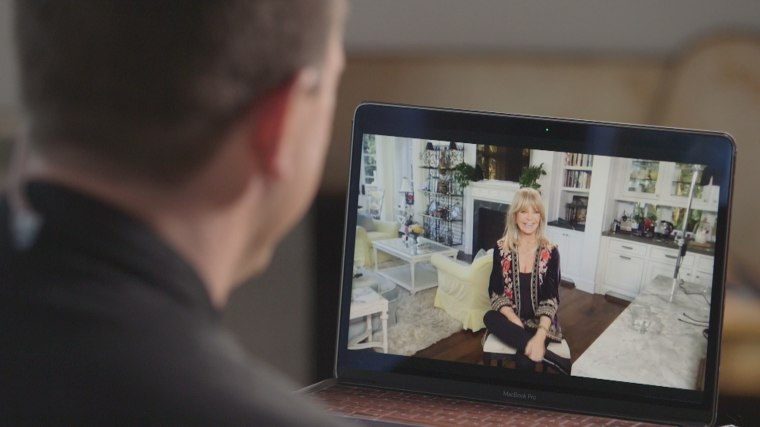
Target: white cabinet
(625, 266)
(702, 272)
(655, 269)
(570, 243)
(662, 262)
(641, 179)
(669, 256)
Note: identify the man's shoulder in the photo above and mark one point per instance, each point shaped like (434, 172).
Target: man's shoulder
(172, 371)
(221, 386)
(207, 378)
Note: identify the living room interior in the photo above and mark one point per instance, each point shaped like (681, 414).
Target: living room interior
(429, 212)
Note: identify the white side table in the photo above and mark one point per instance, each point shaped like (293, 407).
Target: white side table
(364, 303)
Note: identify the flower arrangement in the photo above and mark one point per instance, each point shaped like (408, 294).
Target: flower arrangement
(412, 230)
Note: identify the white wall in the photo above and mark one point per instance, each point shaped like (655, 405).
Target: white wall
(587, 27)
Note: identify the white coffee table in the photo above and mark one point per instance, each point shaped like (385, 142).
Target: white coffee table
(418, 275)
(365, 302)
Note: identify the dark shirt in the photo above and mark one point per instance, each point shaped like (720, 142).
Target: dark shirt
(526, 306)
(102, 323)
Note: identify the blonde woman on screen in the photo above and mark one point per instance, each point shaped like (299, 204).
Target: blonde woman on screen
(524, 285)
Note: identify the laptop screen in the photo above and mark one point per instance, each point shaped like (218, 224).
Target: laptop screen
(624, 293)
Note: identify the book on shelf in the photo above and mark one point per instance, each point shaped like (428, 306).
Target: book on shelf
(578, 179)
(579, 160)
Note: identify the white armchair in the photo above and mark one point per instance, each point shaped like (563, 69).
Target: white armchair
(463, 289)
(366, 234)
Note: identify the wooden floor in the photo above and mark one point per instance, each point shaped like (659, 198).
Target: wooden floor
(583, 317)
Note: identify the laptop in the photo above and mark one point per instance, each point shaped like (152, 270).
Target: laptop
(639, 215)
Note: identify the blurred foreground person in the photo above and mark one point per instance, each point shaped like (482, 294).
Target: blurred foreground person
(168, 147)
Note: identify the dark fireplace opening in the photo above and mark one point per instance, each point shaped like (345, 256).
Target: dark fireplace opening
(488, 224)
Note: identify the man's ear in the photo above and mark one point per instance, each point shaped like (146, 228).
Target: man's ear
(268, 120)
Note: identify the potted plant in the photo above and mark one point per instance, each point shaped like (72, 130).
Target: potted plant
(463, 174)
(530, 176)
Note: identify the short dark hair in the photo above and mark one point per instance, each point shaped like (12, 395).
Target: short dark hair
(149, 85)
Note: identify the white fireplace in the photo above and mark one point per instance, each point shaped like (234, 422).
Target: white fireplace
(490, 190)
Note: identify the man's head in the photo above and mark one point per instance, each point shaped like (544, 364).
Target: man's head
(208, 119)
(149, 85)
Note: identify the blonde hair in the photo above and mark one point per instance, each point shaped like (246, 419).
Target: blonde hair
(524, 198)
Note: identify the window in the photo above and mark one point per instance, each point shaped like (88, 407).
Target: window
(369, 161)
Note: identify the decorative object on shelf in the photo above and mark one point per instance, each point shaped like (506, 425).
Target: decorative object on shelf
(625, 223)
(443, 187)
(705, 231)
(432, 207)
(663, 229)
(442, 212)
(648, 227)
(575, 211)
(531, 175)
(456, 213)
(638, 219)
(443, 163)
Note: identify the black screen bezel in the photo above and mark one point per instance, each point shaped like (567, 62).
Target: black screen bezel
(716, 150)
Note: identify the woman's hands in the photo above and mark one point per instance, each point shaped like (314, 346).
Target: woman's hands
(509, 313)
(536, 346)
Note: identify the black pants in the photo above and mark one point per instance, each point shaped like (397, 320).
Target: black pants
(512, 335)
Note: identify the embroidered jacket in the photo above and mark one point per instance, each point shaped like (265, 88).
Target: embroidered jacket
(504, 288)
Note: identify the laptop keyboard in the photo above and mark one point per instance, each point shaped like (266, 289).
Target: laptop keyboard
(430, 410)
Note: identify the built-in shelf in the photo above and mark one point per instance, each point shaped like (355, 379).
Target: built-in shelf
(574, 188)
(442, 216)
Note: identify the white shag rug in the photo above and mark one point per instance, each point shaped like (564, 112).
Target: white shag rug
(419, 324)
